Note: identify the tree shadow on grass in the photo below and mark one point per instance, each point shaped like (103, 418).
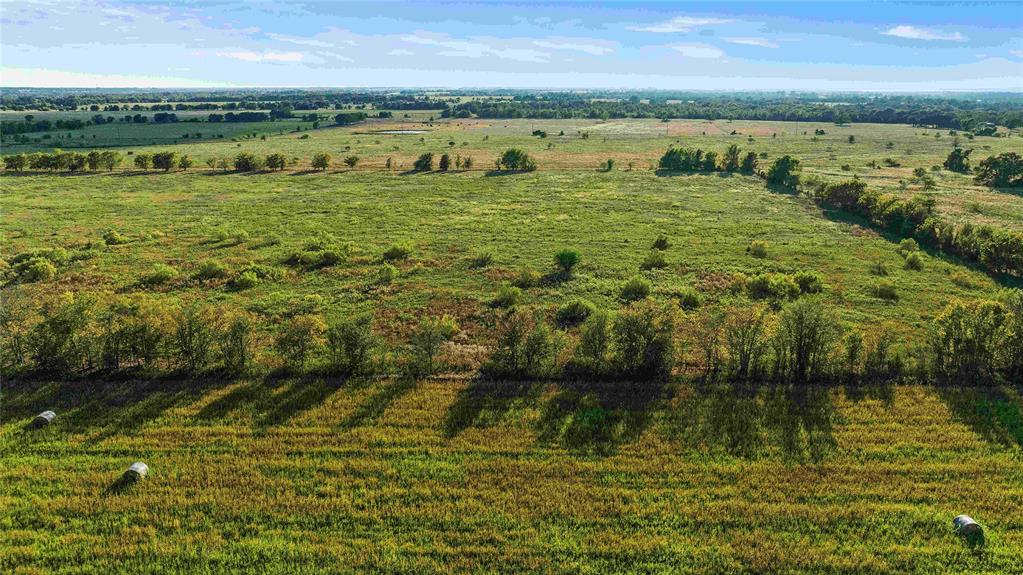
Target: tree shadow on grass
(484, 401)
(303, 394)
(597, 417)
(390, 391)
(995, 413)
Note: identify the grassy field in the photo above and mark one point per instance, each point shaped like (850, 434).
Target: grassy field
(285, 474)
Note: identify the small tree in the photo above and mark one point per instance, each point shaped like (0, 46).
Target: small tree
(1003, 170)
(516, 160)
(276, 162)
(445, 163)
(246, 162)
(424, 163)
(783, 172)
(567, 260)
(351, 161)
(730, 161)
(298, 338)
(321, 161)
(165, 161)
(185, 162)
(958, 160)
(350, 342)
(143, 161)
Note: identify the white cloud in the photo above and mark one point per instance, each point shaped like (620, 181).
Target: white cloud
(593, 49)
(465, 49)
(46, 78)
(1017, 53)
(699, 51)
(401, 52)
(679, 24)
(914, 33)
(762, 42)
(265, 56)
(301, 41)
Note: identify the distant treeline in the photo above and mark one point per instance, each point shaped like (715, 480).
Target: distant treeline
(948, 113)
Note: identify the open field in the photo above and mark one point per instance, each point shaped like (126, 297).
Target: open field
(307, 476)
(273, 472)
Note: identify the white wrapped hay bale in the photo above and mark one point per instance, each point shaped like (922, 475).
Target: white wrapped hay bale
(137, 471)
(43, 419)
(968, 529)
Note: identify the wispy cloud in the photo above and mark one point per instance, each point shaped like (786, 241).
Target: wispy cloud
(301, 41)
(594, 49)
(762, 42)
(1017, 53)
(467, 49)
(265, 56)
(679, 24)
(401, 52)
(699, 51)
(914, 33)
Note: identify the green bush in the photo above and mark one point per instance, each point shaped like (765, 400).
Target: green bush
(516, 160)
(592, 354)
(425, 344)
(688, 298)
(300, 337)
(160, 274)
(885, 289)
(36, 270)
(526, 278)
(114, 238)
(809, 282)
(386, 274)
(661, 243)
(643, 341)
(424, 163)
(907, 246)
(60, 342)
(574, 312)
(526, 348)
(194, 335)
(773, 286)
(567, 259)
(654, 260)
(804, 343)
(210, 270)
(635, 289)
(507, 296)
(397, 252)
(914, 262)
(350, 344)
(235, 345)
(757, 249)
(245, 280)
(481, 260)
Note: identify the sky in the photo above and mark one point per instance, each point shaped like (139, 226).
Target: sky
(814, 46)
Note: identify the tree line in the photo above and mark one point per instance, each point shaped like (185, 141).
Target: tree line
(802, 343)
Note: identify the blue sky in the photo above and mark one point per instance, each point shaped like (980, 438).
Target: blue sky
(880, 46)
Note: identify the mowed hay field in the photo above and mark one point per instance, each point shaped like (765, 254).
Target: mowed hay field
(459, 477)
(283, 474)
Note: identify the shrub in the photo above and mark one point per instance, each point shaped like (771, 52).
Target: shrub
(299, 338)
(143, 161)
(211, 269)
(914, 262)
(688, 298)
(885, 289)
(809, 282)
(397, 252)
(757, 249)
(160, 274)
(246, 162)
(635, 289)
(591, 355)
(516, 160)
(1003, 170)
(321, 161)
(526, 278)
(574, 312)
(608, 165)
(445, 163)
(965, 341)
(276, 162)
(907, 246)
(36, 270)
(878, 268)
(481, 260)
(567, 259)
(350, 343)
(661, 243)
(114, 238)
(804, 342)
(425, 344)
(60, 342)
(351, 161)
(654, 260)
(165, 161)
(783, 172)
(525, 348)
(245, 280)
(424, 163)
(386, 274)
(235, 343)
(745, 342)
(194, 334)
(643, 341)
(773, 286)
(507, 296)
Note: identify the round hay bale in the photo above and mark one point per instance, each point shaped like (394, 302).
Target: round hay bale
(137, 471)
(43, 419)
(968, 529)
